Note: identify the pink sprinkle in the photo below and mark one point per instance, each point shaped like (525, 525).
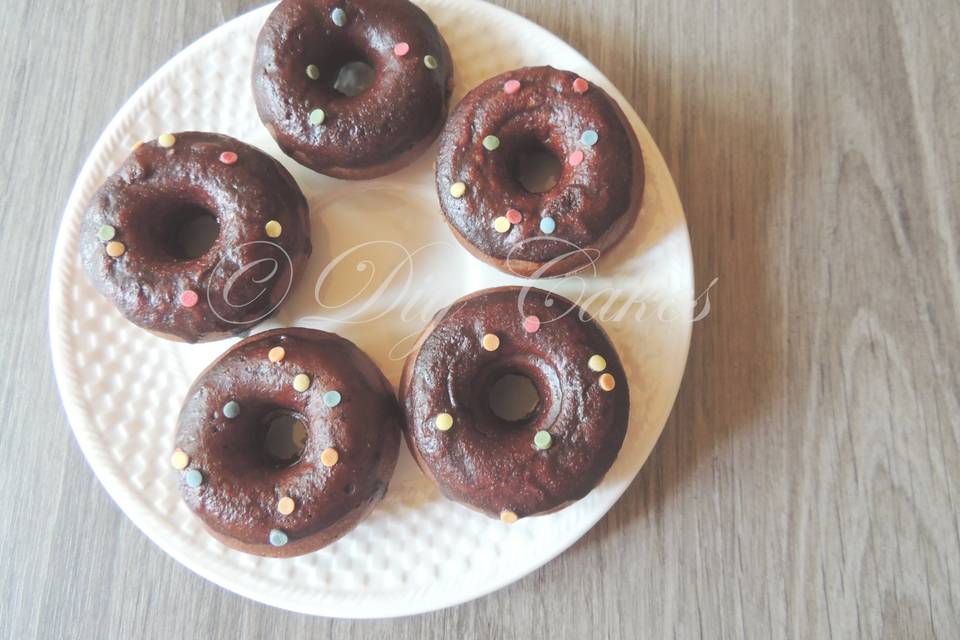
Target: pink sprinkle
(189, 298)
(575, 158)
(228, 157)
(511, 86)
(531, 324)
(401, 49)
(513, 216)
(580, 85)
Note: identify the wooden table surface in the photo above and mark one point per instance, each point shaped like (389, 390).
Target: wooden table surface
(807, 482)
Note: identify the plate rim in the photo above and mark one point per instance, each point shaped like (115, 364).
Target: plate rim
(126, 500)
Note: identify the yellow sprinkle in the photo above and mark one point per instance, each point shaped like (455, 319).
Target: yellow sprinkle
(491, 342)
(444, 421)
(607, 382)
(277, 354)
(167, 140)
(286, 505)
(115, 249)
(329, 457)
(597, 363)
(273, 229)
(301, 382)
(508, 517)
(179, 460)
(457, 189)
(501, 224)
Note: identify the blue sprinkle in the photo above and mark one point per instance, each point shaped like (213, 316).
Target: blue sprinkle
(194, 478)
(589, 137)
(548, 225)
(332, 398)
(339, 17)
(278, 538)
(231, 410)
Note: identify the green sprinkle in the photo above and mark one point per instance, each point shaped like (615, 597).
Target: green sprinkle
(332, 398)
(589, 137)
(430, 62)
(193, 478)
(106, 233)
(313, 71)
(278, 538)
(231, 410)
(317, 116)
(543, 440)
(339, 17)
(491, 143)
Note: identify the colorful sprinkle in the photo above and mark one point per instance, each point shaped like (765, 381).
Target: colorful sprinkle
(548, 225)
(313, 71)
(514, 216)
(490, 342)
(301, 382)
(228, 157)
(189, 298)
(106, 233)
(286, 505)
(231, 410)
(193, 478)
(543, 440)
(329, 457)
(491, 143)
(317, 116)
(508, 517)
(339, 17)
(531, 324)
(501, 224)
(580, 85)
(136, 145)
(401, 49)
(277, 354)
(273, 229)
(511, 86)
(332, 398)
(430, 62)
(576, 158)
(278, 538)
(115, 249)
(597, 363)
(589, 137)
(457, 189)
(179, 460)
(607, 382)
(444, 422)
(166, 140)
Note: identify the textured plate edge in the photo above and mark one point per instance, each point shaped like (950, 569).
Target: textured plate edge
(127, 501)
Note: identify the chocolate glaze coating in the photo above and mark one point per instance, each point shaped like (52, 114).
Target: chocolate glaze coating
(241, 485)
(368, 135)
(593, 204)
(490, 464)
(148, 199)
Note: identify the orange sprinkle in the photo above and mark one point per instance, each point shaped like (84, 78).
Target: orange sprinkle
(277, 354)
(607, 382)
(286, 505)
(329, 457)
(508, 517)
(115, 249)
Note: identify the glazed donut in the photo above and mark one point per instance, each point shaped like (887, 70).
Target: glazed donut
(132, 236)
(253, 502)
(544, 460)
(593, 203)
(300, 51)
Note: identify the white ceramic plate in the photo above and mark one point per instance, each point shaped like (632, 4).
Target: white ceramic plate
(122, 387)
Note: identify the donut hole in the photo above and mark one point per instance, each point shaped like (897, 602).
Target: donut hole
(534, 166)
(183, 230)
(353, 78)
(513, 398)
(284, 438)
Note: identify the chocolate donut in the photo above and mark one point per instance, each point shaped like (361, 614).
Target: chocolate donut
(250, 500)
(544, 460)
(135, 232)
(300, 52)
(490, 136)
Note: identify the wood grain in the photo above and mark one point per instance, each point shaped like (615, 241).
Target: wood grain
(807, 483)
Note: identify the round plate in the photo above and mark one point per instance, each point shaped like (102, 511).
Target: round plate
(383, 263)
